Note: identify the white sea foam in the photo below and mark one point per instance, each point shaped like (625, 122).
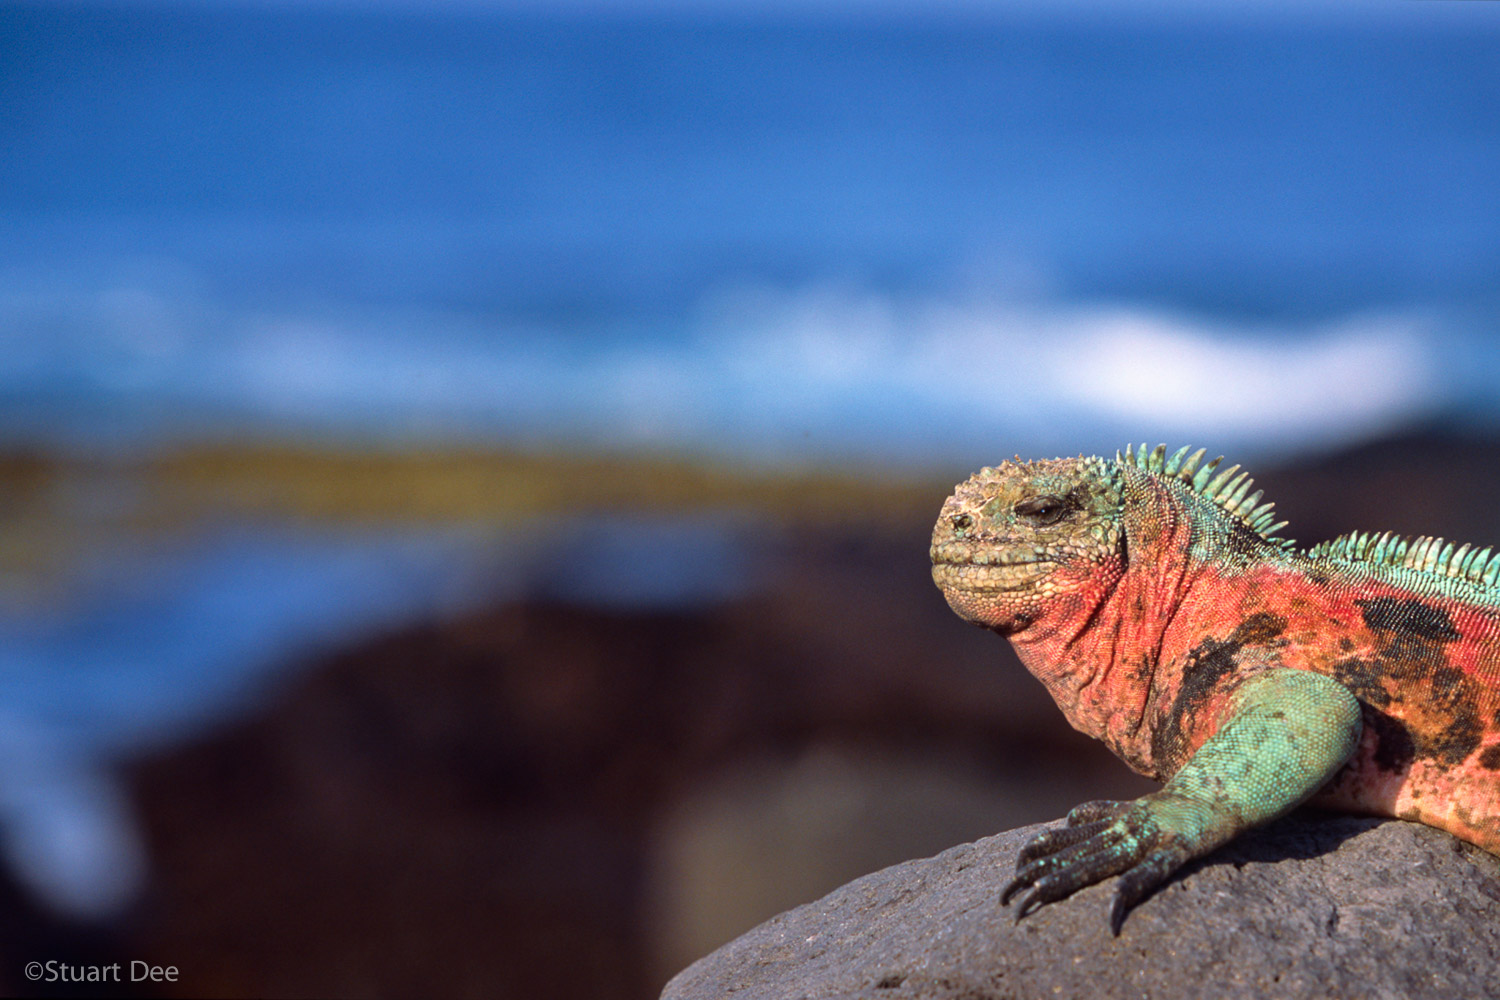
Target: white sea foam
(793, 375)
(1330, 381)
(968, 375)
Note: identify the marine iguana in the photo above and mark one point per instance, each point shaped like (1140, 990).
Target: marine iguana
(1153, 598)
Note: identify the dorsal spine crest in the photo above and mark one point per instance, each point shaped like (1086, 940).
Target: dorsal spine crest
(1231, 493)
(1228, 491)
(1424, 553)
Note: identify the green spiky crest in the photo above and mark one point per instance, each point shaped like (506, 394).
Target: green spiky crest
(1423, 553)
(1228, 491)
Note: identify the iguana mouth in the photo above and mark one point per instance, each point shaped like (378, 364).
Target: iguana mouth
(968, 553)
(988, 576)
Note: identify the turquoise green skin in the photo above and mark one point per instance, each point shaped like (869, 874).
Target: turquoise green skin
(1286, 733)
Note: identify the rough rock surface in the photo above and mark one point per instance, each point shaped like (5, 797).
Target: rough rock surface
(1312, 906)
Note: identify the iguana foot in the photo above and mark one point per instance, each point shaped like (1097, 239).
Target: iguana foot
(1100, 839)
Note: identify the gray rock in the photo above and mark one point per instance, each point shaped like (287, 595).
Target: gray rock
(1314, 905)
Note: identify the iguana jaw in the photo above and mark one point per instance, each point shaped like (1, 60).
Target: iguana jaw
(996, 593)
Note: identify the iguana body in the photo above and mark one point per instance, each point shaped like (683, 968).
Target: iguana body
(1153, 599)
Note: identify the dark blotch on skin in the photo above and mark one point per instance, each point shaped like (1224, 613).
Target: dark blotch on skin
(1394, 750)
(1410, 617)
(1362, 678)
(1457, 741)
(1455, 694)
(1258, 629)
(1490, 759)
(1208, 663)
(1411, 634)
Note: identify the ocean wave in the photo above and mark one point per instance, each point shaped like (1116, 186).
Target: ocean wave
(970, 372)
(770, 373)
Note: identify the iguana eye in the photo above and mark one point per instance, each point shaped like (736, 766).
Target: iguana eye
(1045, 509)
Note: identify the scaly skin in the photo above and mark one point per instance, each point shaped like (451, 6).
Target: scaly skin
(1154, 601)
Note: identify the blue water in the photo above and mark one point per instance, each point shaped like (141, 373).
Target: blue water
(569, 168)
(785, 237)
(607, 230)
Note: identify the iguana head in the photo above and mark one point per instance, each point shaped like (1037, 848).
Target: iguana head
(1022, 539)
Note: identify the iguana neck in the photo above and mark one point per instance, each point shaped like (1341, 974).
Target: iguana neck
(1099, 655)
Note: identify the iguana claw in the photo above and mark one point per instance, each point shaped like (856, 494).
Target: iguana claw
(1100, 839)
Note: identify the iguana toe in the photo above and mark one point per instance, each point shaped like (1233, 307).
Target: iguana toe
(1058, 862)
(1050, 842)
(1098, 809)
(1137, 883)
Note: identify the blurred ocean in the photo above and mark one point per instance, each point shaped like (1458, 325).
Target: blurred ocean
(789, 238)
(777, 236)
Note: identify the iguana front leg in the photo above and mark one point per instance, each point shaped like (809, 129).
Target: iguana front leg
(1285, 734)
